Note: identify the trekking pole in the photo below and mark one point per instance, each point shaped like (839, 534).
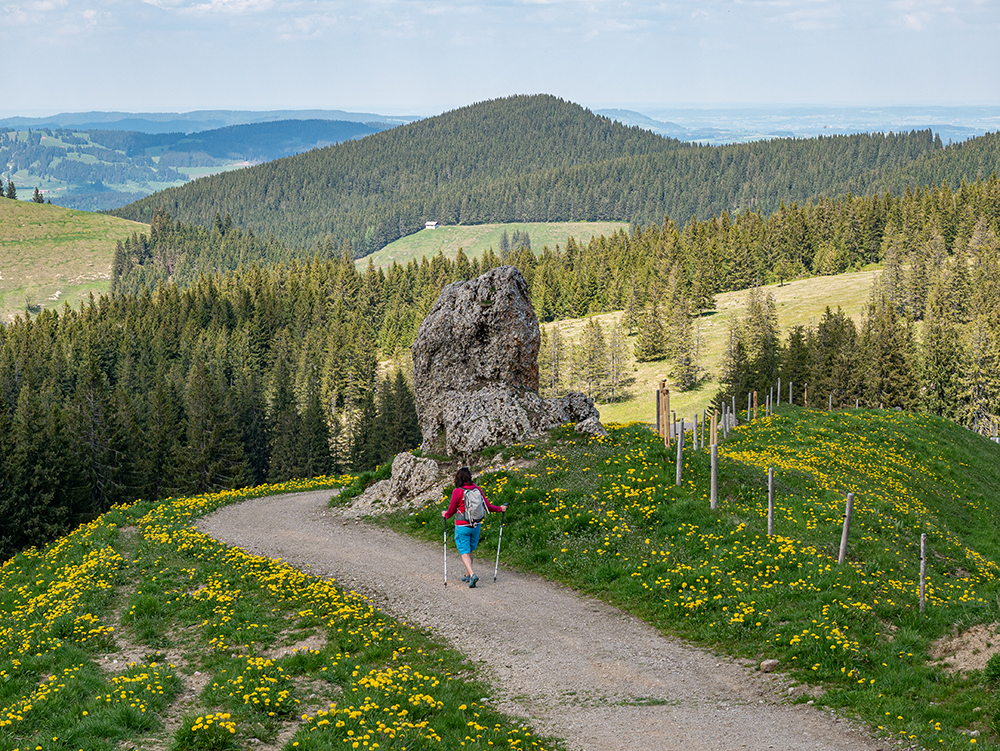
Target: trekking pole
(444, 523)
(497, 566)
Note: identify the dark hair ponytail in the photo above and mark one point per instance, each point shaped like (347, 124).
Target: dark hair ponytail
(463, 477)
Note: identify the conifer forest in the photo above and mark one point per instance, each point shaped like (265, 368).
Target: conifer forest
(230, 353)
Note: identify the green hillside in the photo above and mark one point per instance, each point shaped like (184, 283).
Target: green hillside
(529, 159)
(801, 302)
(51, 255)
(387, 185)
(475, 239)
(138, 630)
(605, 516)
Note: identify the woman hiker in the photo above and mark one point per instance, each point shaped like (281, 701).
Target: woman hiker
(467, 531)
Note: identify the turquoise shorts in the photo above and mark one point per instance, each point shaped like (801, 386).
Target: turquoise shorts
(466, 538)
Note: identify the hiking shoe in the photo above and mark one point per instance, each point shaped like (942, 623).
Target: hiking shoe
(472, 581)
(466, 578)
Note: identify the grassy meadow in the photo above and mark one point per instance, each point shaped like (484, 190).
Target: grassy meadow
(475, 239)
(50, 255)
(800, 302)
(137, 631)
(605, 517)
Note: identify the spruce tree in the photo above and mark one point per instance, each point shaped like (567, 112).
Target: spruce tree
(214, 457)
(796, 361)
(763, 347)
(593, 358)
(315, 459)
(686, 372)
(618, 363)
(551, 361)
(941, 357)
(651, 341)
(887, 354)
(285, 424)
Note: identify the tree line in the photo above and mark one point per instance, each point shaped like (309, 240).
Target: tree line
(661, 266)
(263, 375)
(929, 339)
(541, 159)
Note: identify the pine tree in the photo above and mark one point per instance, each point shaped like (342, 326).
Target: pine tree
(37, 197)
(887, 352)
(686, 372)
(651, 341)
(796, 362)
(551, 361)
(593, 360)
(11, 191)
(941, 357)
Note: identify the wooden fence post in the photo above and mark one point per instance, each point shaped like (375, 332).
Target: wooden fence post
(734, 411)
(770, 501)
(923, 571)
(830, 408)
(848, 511)
(659, 404)
(755, 405)
(805, 396)
(680, 451)
(714, 494)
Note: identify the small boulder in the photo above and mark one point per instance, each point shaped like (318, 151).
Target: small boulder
(592, 426)
(411, 475)
(769, 666)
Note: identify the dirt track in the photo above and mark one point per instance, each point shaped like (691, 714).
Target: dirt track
(576, 667)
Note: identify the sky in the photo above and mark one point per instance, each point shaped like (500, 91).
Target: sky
(422, 57)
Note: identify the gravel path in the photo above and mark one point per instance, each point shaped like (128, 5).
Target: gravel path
(578, 668)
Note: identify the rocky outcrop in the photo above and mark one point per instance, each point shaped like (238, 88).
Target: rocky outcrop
(475, 369)
(411, 475)
(414, 480)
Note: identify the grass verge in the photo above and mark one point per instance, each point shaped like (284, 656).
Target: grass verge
(266, 653)
(606, 517)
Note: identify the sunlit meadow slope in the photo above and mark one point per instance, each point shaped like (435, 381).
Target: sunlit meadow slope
(605, 516)
(136, 631)
(50, 255)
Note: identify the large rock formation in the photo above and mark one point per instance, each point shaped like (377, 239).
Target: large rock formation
(475, 368)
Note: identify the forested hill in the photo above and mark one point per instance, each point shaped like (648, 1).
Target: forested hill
(539, 158)
(387, 185)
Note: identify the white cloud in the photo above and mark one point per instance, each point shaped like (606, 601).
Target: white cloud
(305, 27)
(214, 6)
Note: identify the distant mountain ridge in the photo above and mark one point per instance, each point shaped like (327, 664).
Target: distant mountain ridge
(106, 169)
(190, 122)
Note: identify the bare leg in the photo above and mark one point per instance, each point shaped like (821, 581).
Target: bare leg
(467, 560)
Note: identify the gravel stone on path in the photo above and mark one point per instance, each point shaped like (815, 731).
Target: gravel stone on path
(576, 667)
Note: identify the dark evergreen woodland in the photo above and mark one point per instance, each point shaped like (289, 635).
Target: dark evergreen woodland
(539, 158)
(238, 379)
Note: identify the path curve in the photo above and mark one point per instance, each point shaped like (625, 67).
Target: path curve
(578, 668)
